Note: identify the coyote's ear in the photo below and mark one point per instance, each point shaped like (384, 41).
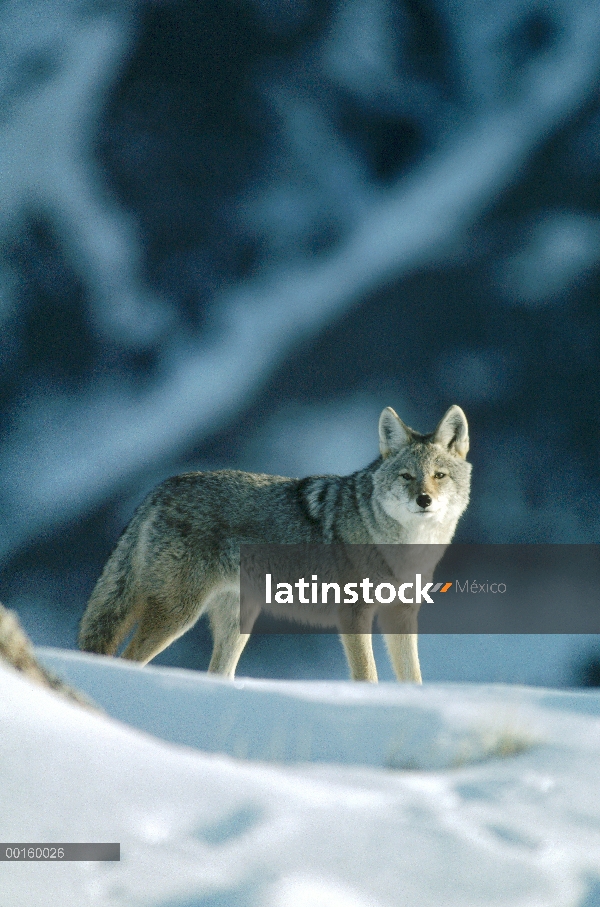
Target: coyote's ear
(453, 432)
(393, 433)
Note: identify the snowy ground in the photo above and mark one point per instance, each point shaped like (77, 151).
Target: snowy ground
(299, 794)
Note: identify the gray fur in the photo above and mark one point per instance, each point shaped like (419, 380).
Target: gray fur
(179, 556)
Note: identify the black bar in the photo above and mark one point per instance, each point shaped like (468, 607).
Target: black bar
(480, 588)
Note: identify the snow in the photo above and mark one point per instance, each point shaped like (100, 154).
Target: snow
(297, 793)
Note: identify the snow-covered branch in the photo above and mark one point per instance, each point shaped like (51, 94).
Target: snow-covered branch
(65, 455)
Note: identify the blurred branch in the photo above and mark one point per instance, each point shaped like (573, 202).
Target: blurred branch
(16, 650)
(65, 456)
(59, 64)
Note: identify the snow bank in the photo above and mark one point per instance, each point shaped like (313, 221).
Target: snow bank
(452, 794)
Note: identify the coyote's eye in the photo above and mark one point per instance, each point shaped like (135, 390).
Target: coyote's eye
(440, 475)
(406, 475)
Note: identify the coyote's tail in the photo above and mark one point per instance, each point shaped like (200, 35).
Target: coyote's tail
(113, 608)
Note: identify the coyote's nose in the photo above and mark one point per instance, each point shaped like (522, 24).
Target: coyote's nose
(424, 501)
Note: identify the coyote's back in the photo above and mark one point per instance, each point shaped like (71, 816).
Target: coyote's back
(179, 556)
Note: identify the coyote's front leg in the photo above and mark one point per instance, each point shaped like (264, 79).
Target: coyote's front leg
(356, 638)
(402, 646)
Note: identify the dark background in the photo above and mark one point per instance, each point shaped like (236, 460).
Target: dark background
(233, 232)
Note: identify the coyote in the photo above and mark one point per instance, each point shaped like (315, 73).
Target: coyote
(179, 556)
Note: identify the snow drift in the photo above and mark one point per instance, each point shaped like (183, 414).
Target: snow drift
(292, 793)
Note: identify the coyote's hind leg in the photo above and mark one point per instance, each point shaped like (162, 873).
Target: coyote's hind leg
(159, 626)
(228, 641)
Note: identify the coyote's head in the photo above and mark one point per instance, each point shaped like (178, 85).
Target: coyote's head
(423, 478)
